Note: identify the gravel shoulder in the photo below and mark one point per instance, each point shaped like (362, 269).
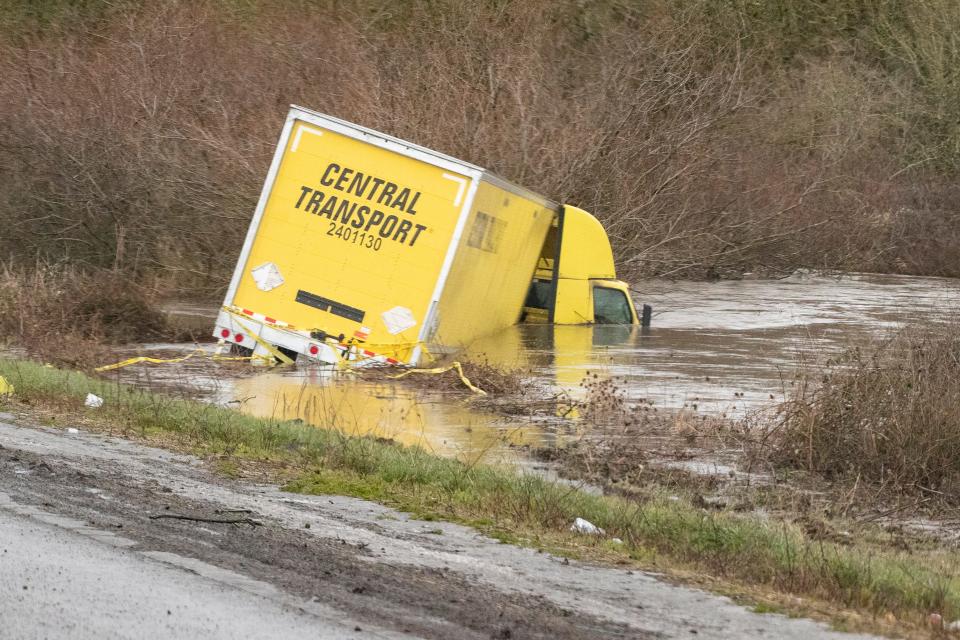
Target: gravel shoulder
(79, 518)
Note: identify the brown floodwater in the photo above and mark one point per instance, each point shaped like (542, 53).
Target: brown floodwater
(723, 348)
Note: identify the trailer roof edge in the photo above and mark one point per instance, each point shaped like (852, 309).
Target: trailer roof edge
(486, 174)
(506, 185)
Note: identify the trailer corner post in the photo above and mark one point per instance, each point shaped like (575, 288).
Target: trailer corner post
(475, 177)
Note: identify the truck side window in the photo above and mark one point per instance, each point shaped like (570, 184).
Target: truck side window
(538, 296)
(610, 306)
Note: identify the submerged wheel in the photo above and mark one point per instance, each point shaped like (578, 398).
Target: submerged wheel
(243, 352)
(290, 353)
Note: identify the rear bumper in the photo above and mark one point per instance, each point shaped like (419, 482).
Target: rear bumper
(254, 331)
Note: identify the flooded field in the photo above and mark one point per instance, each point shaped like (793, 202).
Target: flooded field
(721, 348)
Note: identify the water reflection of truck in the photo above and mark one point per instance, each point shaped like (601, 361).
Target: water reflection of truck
(366, 246)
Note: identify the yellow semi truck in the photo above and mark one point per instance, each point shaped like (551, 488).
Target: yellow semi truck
(366, 247)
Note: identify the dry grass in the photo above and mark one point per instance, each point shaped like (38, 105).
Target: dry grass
(888, 417)
(69, 317)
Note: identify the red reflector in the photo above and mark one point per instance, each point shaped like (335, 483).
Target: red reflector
(238, 337)
(314, 349)
(225, 333)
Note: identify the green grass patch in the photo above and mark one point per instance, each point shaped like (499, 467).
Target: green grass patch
(522, 508)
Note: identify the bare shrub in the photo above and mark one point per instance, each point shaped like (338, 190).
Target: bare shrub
(68, 316)
(918, 40)
(708, 137)
(889, 417)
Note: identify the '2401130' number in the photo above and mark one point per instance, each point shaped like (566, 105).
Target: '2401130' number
(354, 236)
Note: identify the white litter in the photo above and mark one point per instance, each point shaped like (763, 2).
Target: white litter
(72, 430)
(93, 401)
(953, 626)
(616, 540)
(267, 276)
(585, 526)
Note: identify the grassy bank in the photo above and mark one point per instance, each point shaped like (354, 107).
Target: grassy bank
(758, 554)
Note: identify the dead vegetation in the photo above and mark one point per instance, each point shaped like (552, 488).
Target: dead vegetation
(493, 380)
(887, 418)
(711, 138)
(72, 317)
(627, 444)
(868, 437)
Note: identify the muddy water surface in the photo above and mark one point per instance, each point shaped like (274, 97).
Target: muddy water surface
(720, 348)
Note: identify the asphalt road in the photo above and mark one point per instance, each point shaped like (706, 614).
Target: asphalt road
(59, 583)
(104, 538)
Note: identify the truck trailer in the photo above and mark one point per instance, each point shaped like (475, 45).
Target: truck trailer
(364, 247)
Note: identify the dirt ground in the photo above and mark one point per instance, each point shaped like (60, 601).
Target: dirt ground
(368, 562)
(429, 602)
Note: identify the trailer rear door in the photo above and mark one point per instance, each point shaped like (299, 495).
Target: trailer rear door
(350, 235)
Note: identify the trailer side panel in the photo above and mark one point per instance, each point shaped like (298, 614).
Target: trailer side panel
(495, 261)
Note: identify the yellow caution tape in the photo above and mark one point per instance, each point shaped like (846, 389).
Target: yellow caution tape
(276, 353)
(343, 361)
(148, 360)
(6, 389)
(438, 370)
(139, 359)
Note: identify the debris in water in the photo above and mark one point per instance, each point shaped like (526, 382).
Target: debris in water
(74, 430)
(583, 526)
(93, 401)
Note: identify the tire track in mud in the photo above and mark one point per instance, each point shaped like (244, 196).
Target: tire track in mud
(428, 602)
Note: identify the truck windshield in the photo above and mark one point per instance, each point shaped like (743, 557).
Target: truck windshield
(610, 306)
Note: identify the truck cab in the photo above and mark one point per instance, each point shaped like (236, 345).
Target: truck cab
(575, 281)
